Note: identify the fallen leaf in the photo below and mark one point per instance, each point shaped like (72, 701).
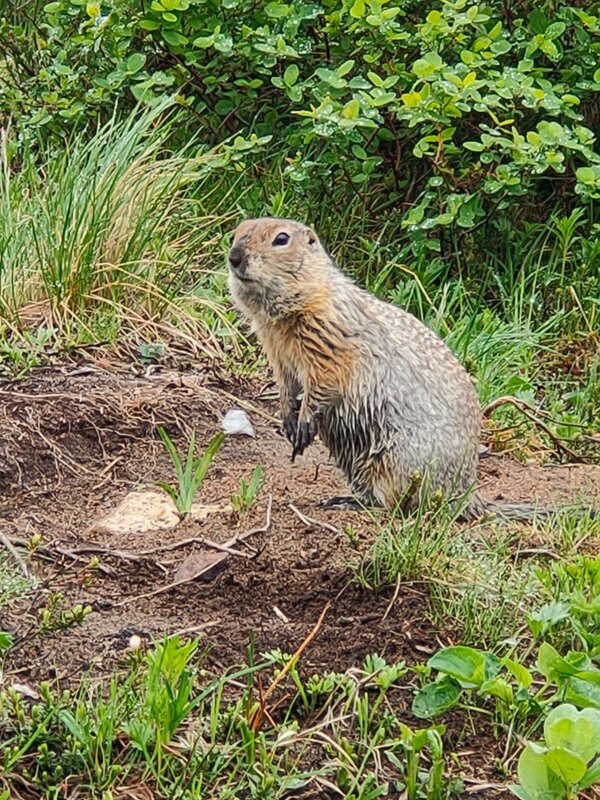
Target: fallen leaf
(200, 564)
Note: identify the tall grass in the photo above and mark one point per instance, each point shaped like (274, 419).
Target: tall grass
(106, 233)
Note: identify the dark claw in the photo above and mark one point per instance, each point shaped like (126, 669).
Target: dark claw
(305, 435)
(290, 422)
(290, 426)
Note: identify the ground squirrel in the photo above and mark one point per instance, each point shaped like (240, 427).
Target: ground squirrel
(388, 398)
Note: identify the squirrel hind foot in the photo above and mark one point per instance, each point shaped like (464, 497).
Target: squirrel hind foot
(342, 502)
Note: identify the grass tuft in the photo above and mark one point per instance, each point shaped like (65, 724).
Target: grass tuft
(105, 236)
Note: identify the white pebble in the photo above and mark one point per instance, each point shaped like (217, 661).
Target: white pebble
(236, 422)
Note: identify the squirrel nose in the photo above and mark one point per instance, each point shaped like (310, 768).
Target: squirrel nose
(237, 259)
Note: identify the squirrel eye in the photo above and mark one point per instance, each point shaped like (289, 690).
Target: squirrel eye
(281, 239)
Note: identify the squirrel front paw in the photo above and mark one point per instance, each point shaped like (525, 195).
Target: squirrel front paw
(305, 434)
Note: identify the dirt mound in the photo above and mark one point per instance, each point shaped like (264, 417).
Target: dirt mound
(74, 443)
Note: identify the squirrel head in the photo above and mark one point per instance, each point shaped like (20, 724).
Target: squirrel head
(277, 268)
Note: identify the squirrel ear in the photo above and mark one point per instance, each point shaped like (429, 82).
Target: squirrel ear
(311, 237)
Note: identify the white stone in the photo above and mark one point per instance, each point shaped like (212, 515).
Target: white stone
(236, 422)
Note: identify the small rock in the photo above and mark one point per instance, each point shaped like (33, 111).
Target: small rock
(140, 512)
(25, 690)
(144, 511)
(236, 422)
(200, 565)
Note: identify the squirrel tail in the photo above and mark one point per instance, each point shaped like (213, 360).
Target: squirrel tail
(478, 507)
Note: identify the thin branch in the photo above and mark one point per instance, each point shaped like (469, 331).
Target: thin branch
(260, 713)
(309, 521)
(529, 412)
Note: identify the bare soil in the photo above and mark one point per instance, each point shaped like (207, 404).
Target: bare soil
(75, 439)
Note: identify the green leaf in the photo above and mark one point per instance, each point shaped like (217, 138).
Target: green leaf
(170, 490)
(204, 42)
(358, 9)
(434, 59)
(411, 99)
(583, 693)
(223, 43)
(345, 68)
(135, 62)
(476, 147)
(588, 175)
(538, 21)
(351, 110)
(331, 78)
(550, 49)
(555, 30)
(579, 731)
(173, 38)
(469, 666)
(436, 698)
(143, 93)
(495, 31)
(434, 18)
(500, 47)
(422, 68)
(427, 65)
(569, 765)
(591, 777)
(554, 612)
(536, 777)
(277, 10)
(521, 673)
(358, 82)
(359, 152)
(497, 687)
(519, 792)
(224, 106)
(290, 76)
(551, 664)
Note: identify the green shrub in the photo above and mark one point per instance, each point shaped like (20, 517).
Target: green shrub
(455, 111)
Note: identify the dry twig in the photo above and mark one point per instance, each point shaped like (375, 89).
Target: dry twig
(12, 551)
(531, 414)
(260, 713)
(393, 600)
(309, 521)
